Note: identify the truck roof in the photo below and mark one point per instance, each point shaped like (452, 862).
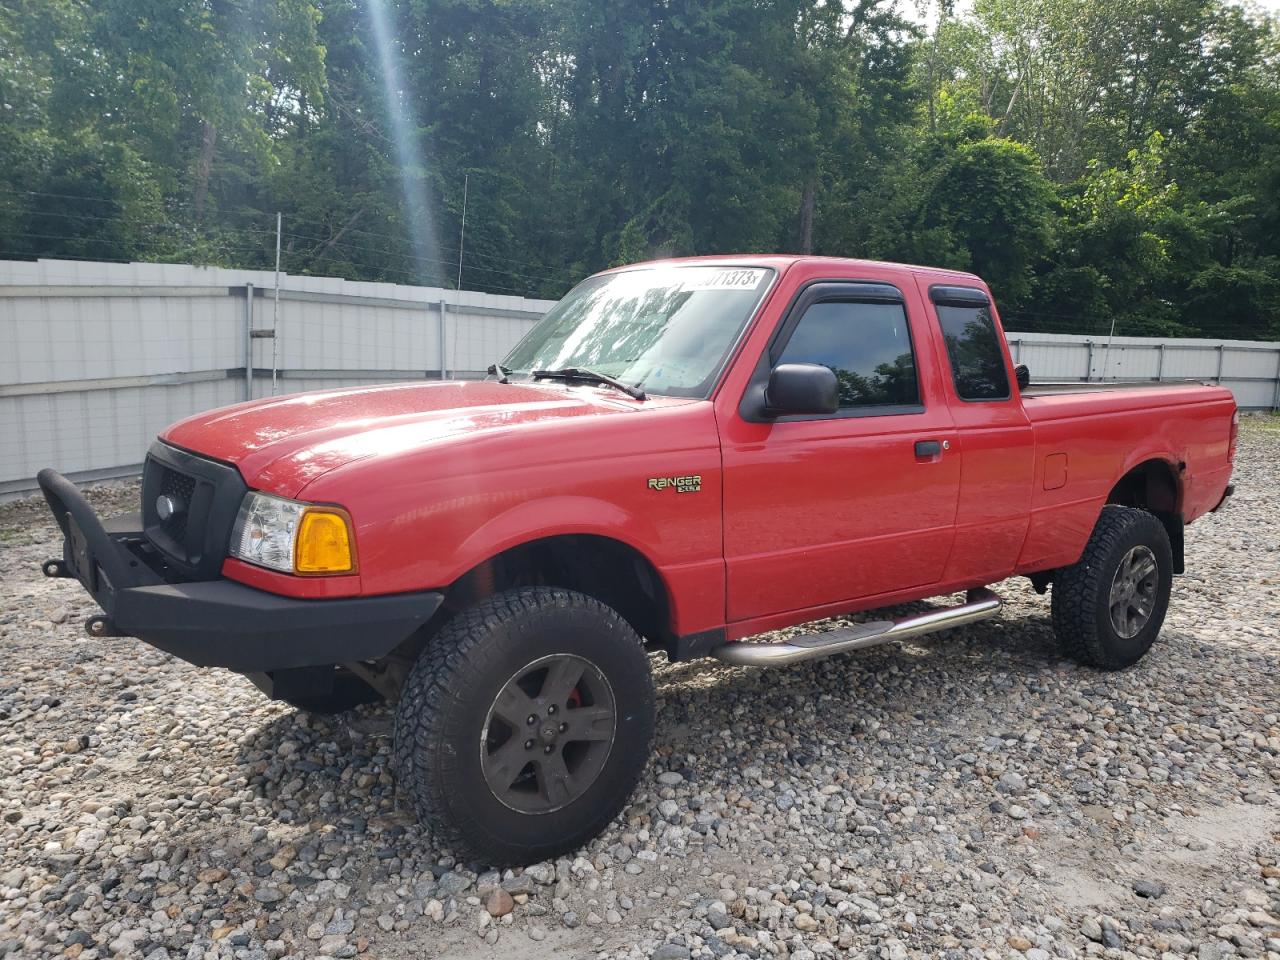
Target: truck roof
(781, 261)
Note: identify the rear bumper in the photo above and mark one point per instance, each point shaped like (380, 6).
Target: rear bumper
(216, 623)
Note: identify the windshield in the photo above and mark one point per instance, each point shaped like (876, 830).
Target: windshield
(666, 329)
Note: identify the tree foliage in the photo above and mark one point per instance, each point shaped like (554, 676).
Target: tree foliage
(1100, 163)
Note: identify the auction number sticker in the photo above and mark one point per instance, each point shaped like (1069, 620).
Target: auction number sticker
(736, 278)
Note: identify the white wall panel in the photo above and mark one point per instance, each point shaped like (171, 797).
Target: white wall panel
(1251, 363)
(1064, 357)
(98, 429)
(1127, 362)
(185, 320)
(1189, 361)
(52, 336)
(1256, 395)
(1053, 361)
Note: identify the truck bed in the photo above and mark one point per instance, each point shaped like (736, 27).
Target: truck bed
(1097, 432)
(1057, 388)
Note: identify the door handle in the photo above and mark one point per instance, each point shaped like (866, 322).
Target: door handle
(926, 449)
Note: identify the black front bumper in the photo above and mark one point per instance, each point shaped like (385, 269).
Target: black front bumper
(216, 623)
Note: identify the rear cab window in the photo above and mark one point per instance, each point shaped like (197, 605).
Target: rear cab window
(974, 349)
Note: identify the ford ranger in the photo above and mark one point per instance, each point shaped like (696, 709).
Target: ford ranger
(679, 456)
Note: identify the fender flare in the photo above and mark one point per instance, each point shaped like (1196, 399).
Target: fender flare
(1171, 519)
(525, 523)
(1176, 462)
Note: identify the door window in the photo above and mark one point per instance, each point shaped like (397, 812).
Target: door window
(866, 345)
(974, 349)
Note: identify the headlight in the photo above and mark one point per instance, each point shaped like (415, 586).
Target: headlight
(293, 537)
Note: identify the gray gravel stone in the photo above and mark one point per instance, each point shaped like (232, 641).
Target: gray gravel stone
(966, 793)
(1150, 889)
(454, 883)
(718, 917)
(543, 873)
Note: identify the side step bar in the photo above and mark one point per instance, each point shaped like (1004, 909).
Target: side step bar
(980, 604)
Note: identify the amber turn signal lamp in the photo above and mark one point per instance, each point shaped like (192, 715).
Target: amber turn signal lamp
(325, 544)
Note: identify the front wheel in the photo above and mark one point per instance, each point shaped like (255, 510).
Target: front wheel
(525, 725)
(1109, 606)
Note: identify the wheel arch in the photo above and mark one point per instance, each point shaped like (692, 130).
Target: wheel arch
(610, 570)
(1155, 485)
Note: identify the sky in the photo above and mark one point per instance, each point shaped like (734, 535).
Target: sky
(926, 11)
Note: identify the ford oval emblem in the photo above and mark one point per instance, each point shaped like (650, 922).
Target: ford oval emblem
(167, 506)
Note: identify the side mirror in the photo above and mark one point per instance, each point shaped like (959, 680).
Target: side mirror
(1022, 375)
(799, 388)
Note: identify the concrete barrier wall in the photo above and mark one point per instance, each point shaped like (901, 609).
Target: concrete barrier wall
(1251, 370)
(97, 358)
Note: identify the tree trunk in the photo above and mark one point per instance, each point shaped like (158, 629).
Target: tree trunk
(204, 166)
(806, 216)
(328, 244)
(1008, 110)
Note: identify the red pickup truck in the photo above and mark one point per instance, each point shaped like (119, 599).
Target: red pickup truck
(679, 456)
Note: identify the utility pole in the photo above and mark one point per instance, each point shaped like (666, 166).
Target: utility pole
(1106, 353)
(462, 234)
(275, 308)
(248, 341)
(457, 308)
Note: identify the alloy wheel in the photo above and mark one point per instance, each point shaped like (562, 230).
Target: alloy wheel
(548, 734)
(1133, 591)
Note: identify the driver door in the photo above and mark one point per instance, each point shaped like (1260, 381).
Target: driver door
(833, 508)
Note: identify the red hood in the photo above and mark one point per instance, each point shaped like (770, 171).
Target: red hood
(284, 443)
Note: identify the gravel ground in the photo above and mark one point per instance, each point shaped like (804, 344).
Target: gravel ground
(968, 795)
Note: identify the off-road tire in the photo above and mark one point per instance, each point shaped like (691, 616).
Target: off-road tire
(1081, 607)
(446, 704)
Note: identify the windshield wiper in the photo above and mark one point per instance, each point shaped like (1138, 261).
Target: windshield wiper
(590, 376)
(499, 371)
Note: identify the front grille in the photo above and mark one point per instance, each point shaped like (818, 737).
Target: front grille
(193, 540)
(182, 488)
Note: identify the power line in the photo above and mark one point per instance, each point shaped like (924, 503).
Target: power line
(208, 237)
(74, 196)
(555, 275)
(347, 245)
(269, 233)
(253, 212)
(110, 241)
(65, 256)
(191, 234)
(1218, 331)
(440, 283)
(414, 278)
(89, 216)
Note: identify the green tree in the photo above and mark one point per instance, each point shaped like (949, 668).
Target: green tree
(987, 207)
(1097, 162)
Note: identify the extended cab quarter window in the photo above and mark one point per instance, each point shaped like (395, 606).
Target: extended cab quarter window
(868, 347)
(973, 346)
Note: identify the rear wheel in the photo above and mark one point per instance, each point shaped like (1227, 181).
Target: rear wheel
(1109, 606)
(525, 724)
